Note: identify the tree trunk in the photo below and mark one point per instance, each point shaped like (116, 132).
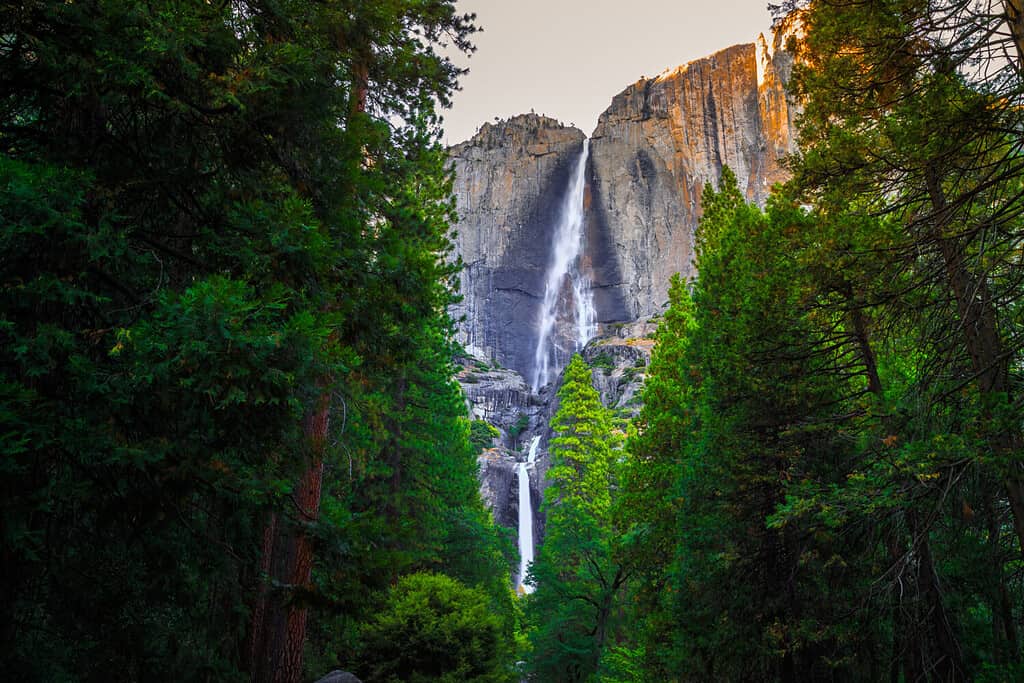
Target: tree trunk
(947, 660)
(277, 631)
(1015, 20)
(947, 663)
(980, 328)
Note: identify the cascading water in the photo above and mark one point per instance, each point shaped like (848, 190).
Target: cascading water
(551, 353)
(526, 517)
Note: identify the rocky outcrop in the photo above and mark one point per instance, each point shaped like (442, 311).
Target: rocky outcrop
(499, 485)
(509, 182)
(498, 396)
(339, 676)
(619, 358)
(501, 397)
(657, 145)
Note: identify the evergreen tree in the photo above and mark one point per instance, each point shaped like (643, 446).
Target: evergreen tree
(740, 402)
(908, 113)
(572, 614)
(225, 366)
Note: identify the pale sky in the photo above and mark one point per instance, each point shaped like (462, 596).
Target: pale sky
(568, 58)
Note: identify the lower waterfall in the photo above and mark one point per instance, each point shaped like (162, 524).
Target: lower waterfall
(526, 517)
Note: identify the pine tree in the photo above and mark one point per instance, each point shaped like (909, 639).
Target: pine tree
(908, 113)
(572, 613)
(738, 404)
(224, 272)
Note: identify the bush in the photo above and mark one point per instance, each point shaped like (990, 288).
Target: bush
(482, 435)
(522, 422)
(433, 628)
(603, 361)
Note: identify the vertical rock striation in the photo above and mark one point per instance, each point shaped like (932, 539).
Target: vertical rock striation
(509, 182)
(657, 145)
(652, 152)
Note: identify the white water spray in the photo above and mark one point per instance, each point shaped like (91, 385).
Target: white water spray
(526, 517)
(568, 245)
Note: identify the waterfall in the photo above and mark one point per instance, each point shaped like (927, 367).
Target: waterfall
(526, 517)
(551, 352)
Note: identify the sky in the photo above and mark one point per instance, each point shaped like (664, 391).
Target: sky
(568, 58)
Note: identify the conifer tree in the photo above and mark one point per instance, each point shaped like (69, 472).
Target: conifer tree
(572, 613)
(909, 113)
(225, 364)
(737, 404)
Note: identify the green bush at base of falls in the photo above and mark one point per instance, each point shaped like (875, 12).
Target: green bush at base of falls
(434, 628)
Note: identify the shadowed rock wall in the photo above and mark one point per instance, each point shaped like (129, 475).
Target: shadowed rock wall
(509, 182)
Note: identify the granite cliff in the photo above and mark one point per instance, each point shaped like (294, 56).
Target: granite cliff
(653, 149)
(650, 156)
(509, 181)
(657, 145)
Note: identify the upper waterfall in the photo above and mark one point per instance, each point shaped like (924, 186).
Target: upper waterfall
(654, 149)
(567, 294)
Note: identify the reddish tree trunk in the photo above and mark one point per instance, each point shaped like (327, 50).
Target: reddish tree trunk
(277, 631)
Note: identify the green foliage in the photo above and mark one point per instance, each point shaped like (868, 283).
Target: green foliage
(824, 480)
(737, 404)
(581, 450)
(603, 361)
(521, 423)
(572, 614)
(219, 218)
(433, 628)
(482, 434)
(914, 180)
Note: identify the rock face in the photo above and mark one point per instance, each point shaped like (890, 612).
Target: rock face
(652, 152)
(619, 357)
(339, 676)
(499, 485)
(496, 395)
(509, 182)
(657, 145)
(501, 397)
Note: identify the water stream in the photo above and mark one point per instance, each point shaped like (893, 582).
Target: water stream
(526, 517)
(573, 303)
(565, 324)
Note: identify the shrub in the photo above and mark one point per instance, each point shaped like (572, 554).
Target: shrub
(434, 628)
(521, 423)
(482, 435)
(603, 361)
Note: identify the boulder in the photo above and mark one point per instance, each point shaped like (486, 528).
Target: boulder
(339, 676)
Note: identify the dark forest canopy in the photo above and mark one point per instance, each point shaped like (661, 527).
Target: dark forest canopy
(233, 448)
(226, 395)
